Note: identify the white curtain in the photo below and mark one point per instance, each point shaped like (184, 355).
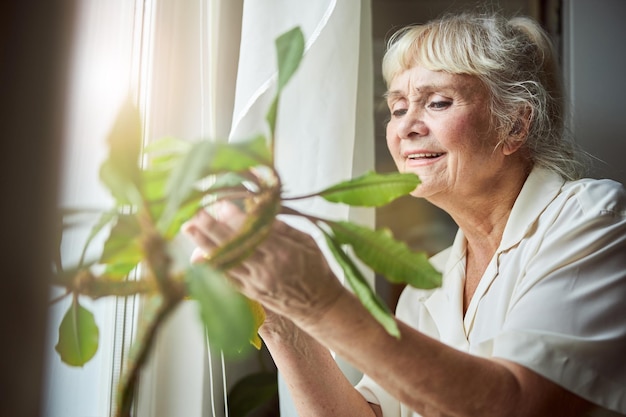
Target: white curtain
(206, 69)
(191, 52)
(324, 135)
(325, 123)
(102, 72)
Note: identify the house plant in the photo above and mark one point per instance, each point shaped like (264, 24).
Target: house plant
(159, 187)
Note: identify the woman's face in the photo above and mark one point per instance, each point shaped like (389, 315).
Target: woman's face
(440, 130)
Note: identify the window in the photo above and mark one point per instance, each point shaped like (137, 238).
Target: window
(181, 62)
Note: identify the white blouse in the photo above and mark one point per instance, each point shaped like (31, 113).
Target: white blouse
(552, 299)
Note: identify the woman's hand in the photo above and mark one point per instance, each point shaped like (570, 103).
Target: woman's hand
(287, 273)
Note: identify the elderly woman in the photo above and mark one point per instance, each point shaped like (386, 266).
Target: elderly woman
(531, 317)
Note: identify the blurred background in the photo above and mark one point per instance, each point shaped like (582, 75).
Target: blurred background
(36, 38)
(588, 39)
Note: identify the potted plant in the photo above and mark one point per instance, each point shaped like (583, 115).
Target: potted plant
(158, 188)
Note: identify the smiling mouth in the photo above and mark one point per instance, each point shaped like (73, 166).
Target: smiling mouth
(418, 156)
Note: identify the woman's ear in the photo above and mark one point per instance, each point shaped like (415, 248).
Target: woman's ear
(517, 134)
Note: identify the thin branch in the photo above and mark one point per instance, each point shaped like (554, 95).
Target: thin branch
(104, 287)
(301, 197)
(293, 212)
(83, 282)
(142, 345)
(60, 297)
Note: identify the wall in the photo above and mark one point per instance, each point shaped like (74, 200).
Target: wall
(594, 61)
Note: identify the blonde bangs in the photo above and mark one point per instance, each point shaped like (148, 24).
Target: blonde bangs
(448, 46)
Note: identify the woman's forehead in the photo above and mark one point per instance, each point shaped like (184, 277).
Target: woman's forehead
(419, 80)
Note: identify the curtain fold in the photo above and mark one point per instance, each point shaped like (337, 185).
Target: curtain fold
(191, 51)
(325, 126)
(319, 115)
(173, 98)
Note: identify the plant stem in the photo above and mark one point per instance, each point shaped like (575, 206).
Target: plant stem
(300, 197)
(60, 297)
(143, 344)
(293, 212)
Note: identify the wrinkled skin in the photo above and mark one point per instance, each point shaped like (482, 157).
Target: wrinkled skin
(307, 284)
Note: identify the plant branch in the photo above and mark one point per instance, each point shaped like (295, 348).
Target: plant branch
(157, 309)
(255, 229)
(86, 283)
(293, 212)
(60, 297)
(98, 287)
(300, 197)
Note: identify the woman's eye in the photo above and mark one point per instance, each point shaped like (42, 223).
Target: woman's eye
(438, 105)
(398, 112)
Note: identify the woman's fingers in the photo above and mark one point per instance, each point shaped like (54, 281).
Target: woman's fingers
(207, 232)
(198, 256)
(286, 272)
(212, 231)
(229, 213)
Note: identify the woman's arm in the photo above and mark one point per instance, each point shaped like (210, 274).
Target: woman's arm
(317, 385)
(432, 378)
(290, 277)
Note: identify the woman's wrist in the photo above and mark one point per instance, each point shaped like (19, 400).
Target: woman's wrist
(277, 327)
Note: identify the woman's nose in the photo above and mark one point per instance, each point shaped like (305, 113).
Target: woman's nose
(412, 124)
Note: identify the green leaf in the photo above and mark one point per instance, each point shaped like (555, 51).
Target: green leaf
(239, 156)
(371, 189)
(224, 183)
(166, 146)
(185, 212)
(289, 50)
(78, 336)
(104, 220)
(252, 392)
(123, 191)
(122, 250)
(228, 180)
(119, 269)
(121, 172)
(154, 183)
(362, 290)
(125, 141)
(225, 312)
(272, 114)
(163, 156)
(210, 158)
(387, 256)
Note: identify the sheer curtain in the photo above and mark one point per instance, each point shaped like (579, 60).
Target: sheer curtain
(325, 123)
(193, 53)
(206, 69)
(103, 70)
(324, 135)
(164, 54)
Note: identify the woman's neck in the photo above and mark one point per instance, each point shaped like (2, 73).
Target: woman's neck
(483, 216)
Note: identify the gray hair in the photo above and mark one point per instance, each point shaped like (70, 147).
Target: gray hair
(515, 61)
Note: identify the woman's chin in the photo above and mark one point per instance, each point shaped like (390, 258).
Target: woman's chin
(420, 191)
(427, 191)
